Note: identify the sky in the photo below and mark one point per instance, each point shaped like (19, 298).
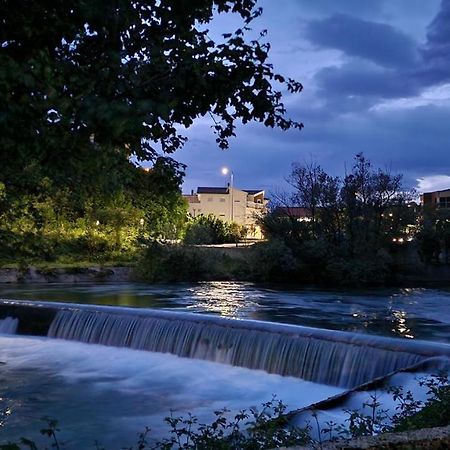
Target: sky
(376, 77)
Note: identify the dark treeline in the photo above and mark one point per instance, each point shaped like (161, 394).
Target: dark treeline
(88, 88)
(364, 228)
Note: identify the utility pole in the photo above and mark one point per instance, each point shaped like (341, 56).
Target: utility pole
(225, 171)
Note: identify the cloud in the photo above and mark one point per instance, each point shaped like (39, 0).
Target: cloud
(382, 63)
(358, 85)
(436, 51)
(377, 42)
(395, 111)
(433, 183)
(360, 7)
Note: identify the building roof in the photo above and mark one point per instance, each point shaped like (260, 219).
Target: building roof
(437, 192)
(212, 190)
(225, 190)
(293, 211)
(253, 191)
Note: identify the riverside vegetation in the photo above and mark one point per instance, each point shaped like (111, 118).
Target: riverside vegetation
(364, 229)
(91, 92)
(361, 230)
(268, 427)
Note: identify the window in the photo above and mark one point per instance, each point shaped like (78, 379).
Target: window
(222, 199)
(210, 199)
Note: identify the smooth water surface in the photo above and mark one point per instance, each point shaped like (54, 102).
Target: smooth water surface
(111, 394)
(409, 313)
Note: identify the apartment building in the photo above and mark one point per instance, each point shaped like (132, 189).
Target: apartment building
(230, 205)
(438, 199)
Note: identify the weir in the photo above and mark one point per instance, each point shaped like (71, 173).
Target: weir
(8, 325)
(323, 356)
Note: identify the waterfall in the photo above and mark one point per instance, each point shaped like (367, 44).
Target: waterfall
(8, 325)
(323, 356)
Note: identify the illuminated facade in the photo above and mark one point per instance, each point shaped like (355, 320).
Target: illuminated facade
(243, 207)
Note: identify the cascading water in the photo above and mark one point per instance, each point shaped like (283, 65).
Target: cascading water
(8, 325)
(323, 356)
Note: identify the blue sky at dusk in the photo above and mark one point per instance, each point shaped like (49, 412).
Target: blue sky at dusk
(376, 76)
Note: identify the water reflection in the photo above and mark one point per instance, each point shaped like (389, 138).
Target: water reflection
(407, 312)
(400, 325)
(227, 299)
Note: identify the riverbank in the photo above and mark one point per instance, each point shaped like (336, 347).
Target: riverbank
(267, 262)
(227, 265)
(69, 274)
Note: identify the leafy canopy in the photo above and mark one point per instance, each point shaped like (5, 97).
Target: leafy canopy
(82, 80)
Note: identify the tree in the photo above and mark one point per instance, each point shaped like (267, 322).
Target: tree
(318, 192)
(211, 230)
(83, 84)
(373, 200)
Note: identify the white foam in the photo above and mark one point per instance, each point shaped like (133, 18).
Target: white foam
(8, 325)
(111, 394)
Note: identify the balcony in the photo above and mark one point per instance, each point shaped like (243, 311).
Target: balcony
(255, 205)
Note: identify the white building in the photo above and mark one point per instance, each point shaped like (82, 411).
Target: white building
(230, 205)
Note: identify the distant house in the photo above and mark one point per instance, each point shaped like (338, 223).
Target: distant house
(294, 212)
(230, 205)
(437, 199)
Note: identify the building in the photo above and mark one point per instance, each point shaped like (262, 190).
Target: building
(231, 205)
(438, 199)
(294, 212)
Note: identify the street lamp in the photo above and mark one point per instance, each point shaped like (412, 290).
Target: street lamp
(226, 171)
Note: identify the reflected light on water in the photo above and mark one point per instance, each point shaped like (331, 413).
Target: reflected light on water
(225, 298)
(4, 414)
(400, 325)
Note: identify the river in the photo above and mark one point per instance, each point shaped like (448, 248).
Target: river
(110, 394)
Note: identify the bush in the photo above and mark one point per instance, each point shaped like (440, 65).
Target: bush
(177, 262)
(211, 230)
(273, 261)
(248, 430)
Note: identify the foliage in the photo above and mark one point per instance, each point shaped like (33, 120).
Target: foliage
(84, 85)
(264, 429)
(269, 427)
(177, 262)
(53, 224)
(341, 231)
(248, 430)
(370, 420)
(434, 412)
(90, 89)
(273, 261)
(211, 230)
(434, 236)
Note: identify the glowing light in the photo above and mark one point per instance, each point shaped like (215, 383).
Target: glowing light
(225, 170)
(226, 299)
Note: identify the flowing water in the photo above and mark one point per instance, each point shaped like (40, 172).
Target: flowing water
(402, 312)
(109, 392)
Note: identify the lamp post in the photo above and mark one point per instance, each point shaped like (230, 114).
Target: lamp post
(226, 171)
